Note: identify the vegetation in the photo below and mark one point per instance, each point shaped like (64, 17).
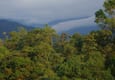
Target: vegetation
(42, 54)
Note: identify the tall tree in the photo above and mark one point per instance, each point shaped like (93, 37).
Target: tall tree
(106, 17)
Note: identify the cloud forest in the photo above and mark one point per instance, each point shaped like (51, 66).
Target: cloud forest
(43, 54)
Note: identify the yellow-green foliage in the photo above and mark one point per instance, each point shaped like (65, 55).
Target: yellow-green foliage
(42, 54)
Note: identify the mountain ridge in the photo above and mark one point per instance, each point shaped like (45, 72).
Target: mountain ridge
(9, 25)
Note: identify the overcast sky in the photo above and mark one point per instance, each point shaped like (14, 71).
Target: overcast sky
(44, 11)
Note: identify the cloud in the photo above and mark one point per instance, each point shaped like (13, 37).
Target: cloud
(44, 11)
(68, 25)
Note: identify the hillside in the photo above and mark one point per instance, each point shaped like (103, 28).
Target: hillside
(8, 26)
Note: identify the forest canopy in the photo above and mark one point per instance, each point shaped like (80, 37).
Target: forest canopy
(42, 54)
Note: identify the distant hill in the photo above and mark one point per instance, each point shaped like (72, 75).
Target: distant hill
(82, 30)
(82, 25)
(8, 25)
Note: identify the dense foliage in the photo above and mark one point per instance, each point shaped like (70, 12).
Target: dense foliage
(42, 54)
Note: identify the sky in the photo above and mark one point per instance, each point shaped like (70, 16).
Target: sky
(44, 11)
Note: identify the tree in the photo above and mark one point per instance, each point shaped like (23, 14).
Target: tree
(77, 41)
(89, 44)
(15, 40)
(106, 19)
